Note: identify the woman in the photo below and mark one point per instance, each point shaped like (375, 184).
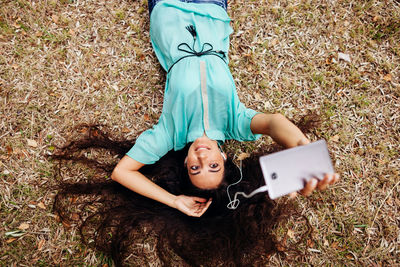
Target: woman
(201, 105)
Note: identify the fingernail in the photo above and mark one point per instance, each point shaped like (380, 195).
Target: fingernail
(314, 182)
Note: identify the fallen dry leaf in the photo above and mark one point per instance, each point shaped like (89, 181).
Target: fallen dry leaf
(387, 77)
(73, 200)
(8, 241)
(243, 156)
(335, 138)
(281, 248)
(66, 224)
(329, 60)
(41, 205)
(290, 234)
(273, 42)
(32, 143)
(257, 96)
(54, 18)
(345, 57)
(23, 226)
(95, 133)
(75, 216)
(126, 130)
(146, 117)
(40, 244)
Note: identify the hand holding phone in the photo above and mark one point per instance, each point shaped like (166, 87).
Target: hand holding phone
(290, 170)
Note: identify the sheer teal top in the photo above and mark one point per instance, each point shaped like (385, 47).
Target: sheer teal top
(200, 94)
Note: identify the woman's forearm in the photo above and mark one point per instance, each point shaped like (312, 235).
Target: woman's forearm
(283, 131)
(125, 174)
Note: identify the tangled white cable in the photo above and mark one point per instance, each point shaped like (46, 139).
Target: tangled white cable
(233, 204)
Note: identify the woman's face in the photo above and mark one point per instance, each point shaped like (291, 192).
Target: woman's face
(205, 163)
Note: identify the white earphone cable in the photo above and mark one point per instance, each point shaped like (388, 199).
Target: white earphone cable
(233, 204)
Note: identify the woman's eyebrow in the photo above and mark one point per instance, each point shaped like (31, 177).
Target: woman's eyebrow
(195, 173)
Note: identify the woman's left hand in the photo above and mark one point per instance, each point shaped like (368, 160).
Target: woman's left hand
(314, 183)
(192, 206)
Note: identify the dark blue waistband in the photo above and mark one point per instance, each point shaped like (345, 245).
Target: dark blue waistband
(221, 3)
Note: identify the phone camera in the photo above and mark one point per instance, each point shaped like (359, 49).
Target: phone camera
(274, 175)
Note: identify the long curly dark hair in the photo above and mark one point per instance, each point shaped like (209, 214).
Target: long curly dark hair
(134, 230)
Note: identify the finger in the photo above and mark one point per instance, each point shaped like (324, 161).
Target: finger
(336, 178)
(323, 184)
(208, 203)
(188, 212)
(196, 212)
(303, 141)
(199, 207)
(199, 199)
(310, 186)
(205, 207)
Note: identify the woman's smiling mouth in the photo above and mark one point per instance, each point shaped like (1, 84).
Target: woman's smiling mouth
(202, 147)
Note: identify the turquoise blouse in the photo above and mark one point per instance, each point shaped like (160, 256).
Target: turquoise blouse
(200, 94)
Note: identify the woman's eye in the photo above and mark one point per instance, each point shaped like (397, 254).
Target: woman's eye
(214, 165)
(194, 167)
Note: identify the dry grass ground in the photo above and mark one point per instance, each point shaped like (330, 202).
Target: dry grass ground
(67, 62)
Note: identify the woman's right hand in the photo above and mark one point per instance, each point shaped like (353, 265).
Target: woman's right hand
(192, 206)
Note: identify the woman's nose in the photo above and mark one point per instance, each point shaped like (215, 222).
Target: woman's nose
(202, 155)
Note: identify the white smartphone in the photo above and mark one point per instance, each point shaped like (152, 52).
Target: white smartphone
(288, 170)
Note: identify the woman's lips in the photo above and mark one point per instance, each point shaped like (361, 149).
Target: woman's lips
(202, 147)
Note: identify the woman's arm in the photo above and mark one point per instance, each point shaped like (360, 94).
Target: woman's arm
(284, 132)
(127, 174)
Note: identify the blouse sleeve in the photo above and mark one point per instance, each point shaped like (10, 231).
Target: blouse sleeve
(242, 131)
(152, 144)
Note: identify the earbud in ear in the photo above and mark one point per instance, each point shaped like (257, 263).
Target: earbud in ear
(222, 152)
(223, 156)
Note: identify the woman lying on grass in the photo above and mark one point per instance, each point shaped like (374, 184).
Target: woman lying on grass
(181, 156)
(201, 106)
